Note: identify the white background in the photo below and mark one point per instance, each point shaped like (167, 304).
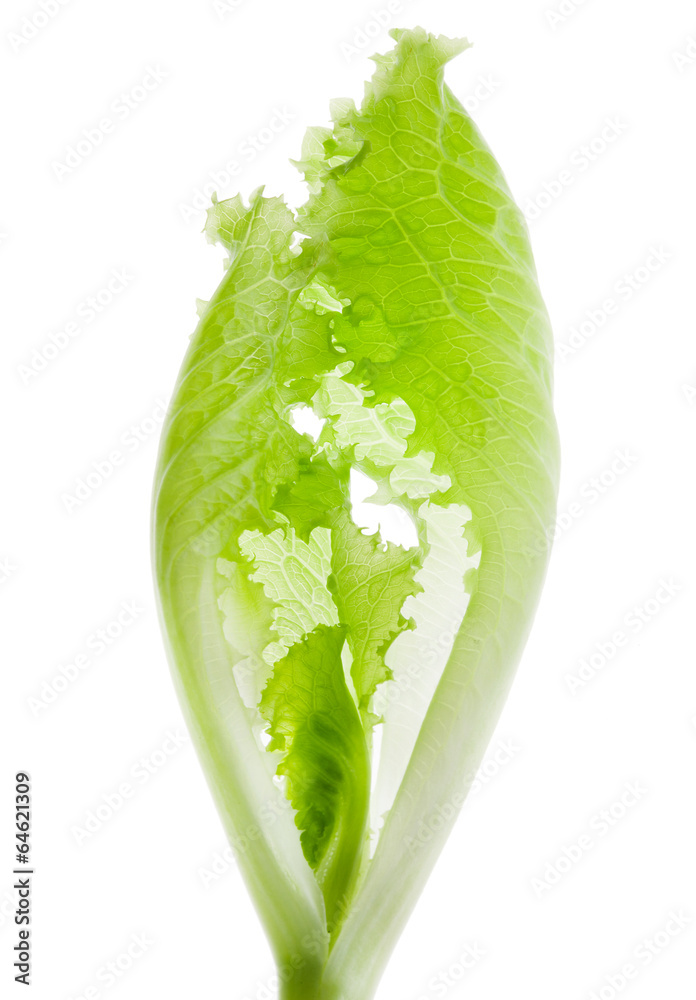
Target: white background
(541, 87)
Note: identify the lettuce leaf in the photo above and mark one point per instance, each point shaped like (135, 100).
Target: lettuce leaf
(401, 305)
(370, 584)
(314, 722)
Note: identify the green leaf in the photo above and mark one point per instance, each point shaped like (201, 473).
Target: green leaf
(313, 721)
(445, 314)
(226, 446)
(318, 490)
(376, 437)
(294, 576)
(370, 583)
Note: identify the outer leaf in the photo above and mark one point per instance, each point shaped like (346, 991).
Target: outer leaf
(225, 448)
(426, 241)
